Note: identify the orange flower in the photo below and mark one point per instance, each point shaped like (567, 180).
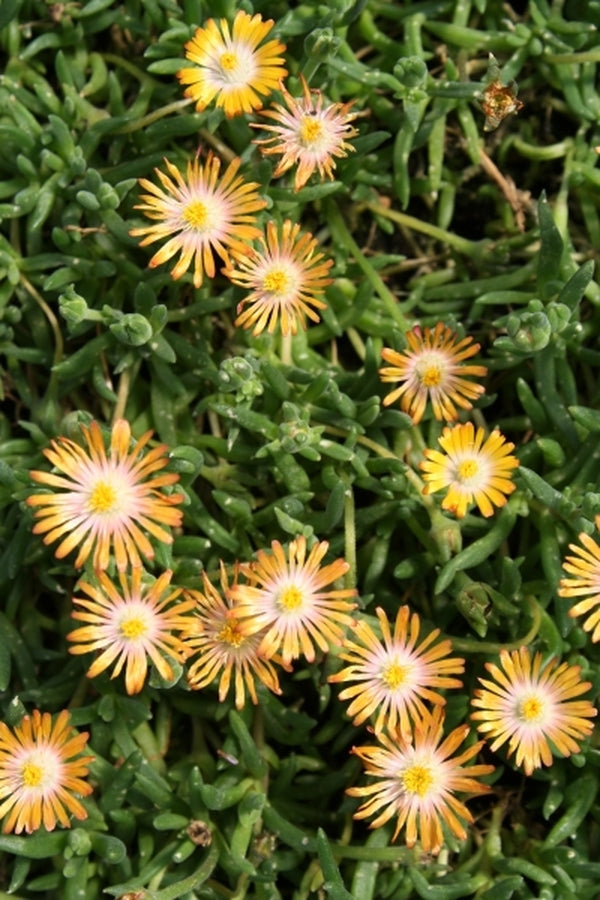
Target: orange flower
(417, 781)
(531, 706)
(287, 277)
(229, 65)
(432, 366)
(393, 676)
(224, 646)
(471, 469)
(198, 214)
(131, 624)
(41, 773)
(307, 133)
(584, 581)
(286, 600)
(106, 499)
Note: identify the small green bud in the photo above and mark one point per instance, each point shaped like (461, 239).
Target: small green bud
(410, 71)
(321, 44)
(132, 329)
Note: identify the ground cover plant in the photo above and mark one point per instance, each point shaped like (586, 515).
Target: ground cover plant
(299, 456)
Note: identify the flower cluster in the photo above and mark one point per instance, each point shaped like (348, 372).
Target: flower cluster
(279, 608)
(202, 213)
(111, 500)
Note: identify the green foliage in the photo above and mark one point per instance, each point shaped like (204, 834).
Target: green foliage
(429, 219)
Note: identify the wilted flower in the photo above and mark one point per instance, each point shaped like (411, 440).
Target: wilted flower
(224, 646)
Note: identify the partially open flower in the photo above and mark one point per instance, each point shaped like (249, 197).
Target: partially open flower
(309, 134)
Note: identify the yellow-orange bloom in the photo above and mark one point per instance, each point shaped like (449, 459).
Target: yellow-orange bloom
(286, 277)
(224, 646)
(394, 674)
(42, 773)
(471, 468)
(307, 133)
(533, 708)
(198, 213)
(231, 66)
(106, 499)
(131, 624)
(418, 779)
(583, 580)
(432, 367)
(286, 599)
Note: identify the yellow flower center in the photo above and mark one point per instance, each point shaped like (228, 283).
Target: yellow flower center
(311, 130)
(228, 61)
(103, 498)
(133, 628)
(290, 598)
(417, 780)
(277, 282)
(431, 377)
(532, 709)
(394, 676)
(196, 215)
(32, 775)
(468, 468)
(230, 634)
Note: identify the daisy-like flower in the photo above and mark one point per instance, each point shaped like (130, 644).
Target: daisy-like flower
(231, 66)
(433, 366)
(584, 567)
(470, 469)
(533, 708)
(41, 773)
(286, 600)
(417, 781)
(394, 675)
(107, 498)
(307, 133)
(286, 277)
(224, 647)
(198, 213)
(131, 624)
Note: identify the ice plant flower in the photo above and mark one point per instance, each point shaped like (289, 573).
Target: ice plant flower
(106, 498)
(533, 708)
(42, 773)
(223, 646)
(471, 468)
(432, 366)
(584, 569)
(286, 599)
(230, 66)
(418, 778)
(391, 676)
(131, 623)
(308, 134)
(286, 276)
(198, 213)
